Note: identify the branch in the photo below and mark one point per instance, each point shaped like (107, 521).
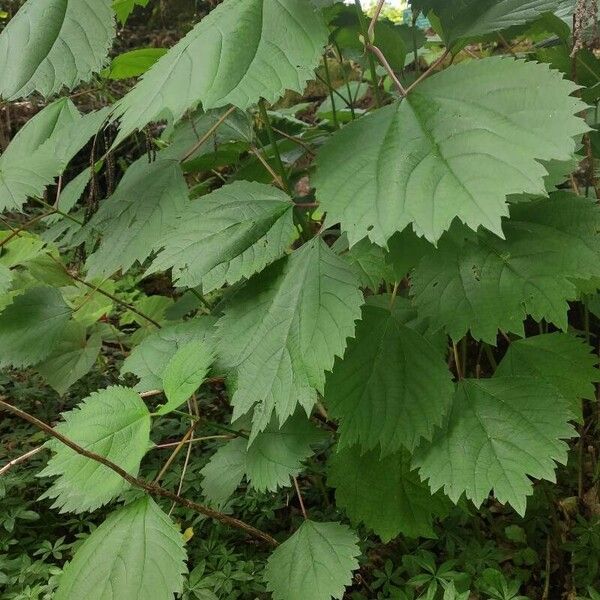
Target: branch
(383, 60)
(148, 487)
(376, 14)
(21, 459)
(207, 135)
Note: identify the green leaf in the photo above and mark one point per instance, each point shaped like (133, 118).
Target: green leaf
(462, 19)
(242, 51)
(184, 373)
(268, 462)
(51, 44)
(499, 433)
(228, 235)
(316, 563)
(133, 63)
(149, 360)
(368, 261)
(130, 225)
(486, 283)
(384, 493)
(28, 165)
(276, 454)
(124, 8)
(113, 423)
(392, 388)
(461, 142)
(557, 358)
(224, 472)
(72, 358)
(137, 553)
(283, 330)
(31, 327)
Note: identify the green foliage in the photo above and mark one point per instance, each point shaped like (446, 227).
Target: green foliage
(54, 44)
(340, 268)
(31, 327)
(249, 49)
(316, 562)
(184, 373)
(404, 504)
(113, 423)
(227, 236)
(477, 450)
(283, 331)
(128, 233)
(139, 536)
(392, 387)
(488, 283)
(413, 160)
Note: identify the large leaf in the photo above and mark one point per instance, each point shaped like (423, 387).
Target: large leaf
(242, 51)
(149, 360)
(316, 563)
(130, 224)
(31, 327)
(456, 147)
(27, 166)
(392, 387)
(487, 283)
(499, 433)
(558, 358)
(384, 493)
(283, 331)
(137, 553)
(72, 358)
(473, 18)
(113, 423)
(50, 44)
(228, 235)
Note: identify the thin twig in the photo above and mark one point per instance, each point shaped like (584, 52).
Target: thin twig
(21, 459)
(300, 499)
(295, 139)
(386, 65)
(376, 14)
(140, 483)
(180, 445)
(23, 228)
(268, 167)
(207, 135)
(457, 361)
(112, 297)
(205, 438)
(427, 73)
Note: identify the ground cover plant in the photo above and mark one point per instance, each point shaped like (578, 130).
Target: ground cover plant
(299, 302)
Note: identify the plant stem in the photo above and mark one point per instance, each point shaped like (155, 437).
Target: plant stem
(300, 499)
(331, 96)
(266, 121)
(427, 73)
(346, 81)
(151, 488)
(372, 66)
(207, 135)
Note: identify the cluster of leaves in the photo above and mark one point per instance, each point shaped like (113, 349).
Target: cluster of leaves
(338, 274)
